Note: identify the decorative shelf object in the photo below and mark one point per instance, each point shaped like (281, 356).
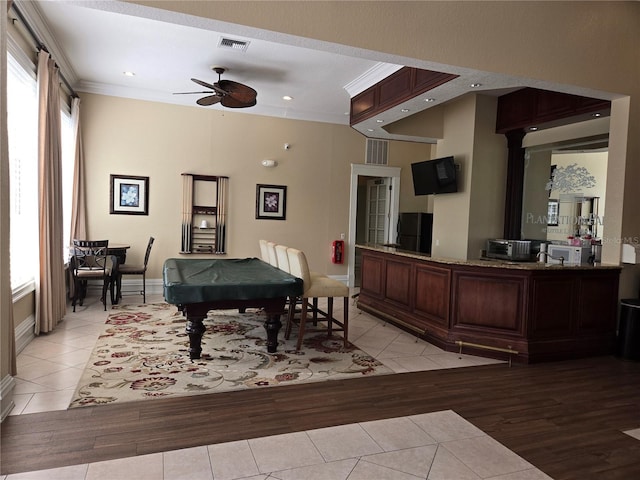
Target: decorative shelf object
(204, 213)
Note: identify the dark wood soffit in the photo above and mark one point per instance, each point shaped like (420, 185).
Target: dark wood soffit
(406, 83)
(531, 107)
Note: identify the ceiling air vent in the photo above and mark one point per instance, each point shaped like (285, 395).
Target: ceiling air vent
(377, 151)
(239, 45)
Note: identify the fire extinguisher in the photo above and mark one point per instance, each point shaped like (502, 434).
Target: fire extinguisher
(337, 251)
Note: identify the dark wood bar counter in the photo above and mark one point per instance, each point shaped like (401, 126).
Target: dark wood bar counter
(525, 311)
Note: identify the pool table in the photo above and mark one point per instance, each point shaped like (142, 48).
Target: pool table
(199, 285)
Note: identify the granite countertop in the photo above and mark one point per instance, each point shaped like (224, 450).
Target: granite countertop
(483, 262)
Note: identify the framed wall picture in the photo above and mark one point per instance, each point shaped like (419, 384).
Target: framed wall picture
(271, 202)
(129, 195)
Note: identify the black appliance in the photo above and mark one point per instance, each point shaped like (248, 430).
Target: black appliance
(415, 232)
(434, 176)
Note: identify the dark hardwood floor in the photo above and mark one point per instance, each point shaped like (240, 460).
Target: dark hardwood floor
(566, 418)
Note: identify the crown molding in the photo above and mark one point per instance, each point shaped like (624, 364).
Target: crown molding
(372, 76)
(35, 20)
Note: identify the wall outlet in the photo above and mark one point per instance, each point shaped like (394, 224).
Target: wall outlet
(437, 242)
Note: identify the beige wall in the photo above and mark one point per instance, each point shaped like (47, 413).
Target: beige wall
(451, 210)
(464, 220)
(488, 178)
(161, 141)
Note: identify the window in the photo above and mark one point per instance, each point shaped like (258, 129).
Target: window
(68, 161)
(22, 123)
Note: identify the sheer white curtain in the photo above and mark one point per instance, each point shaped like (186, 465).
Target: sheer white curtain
(50, 287)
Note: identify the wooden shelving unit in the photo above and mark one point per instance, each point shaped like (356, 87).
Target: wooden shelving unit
(204, 213)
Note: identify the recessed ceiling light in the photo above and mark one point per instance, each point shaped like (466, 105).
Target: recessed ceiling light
(379, 121)
(429, 99)
(533, 129)
(475, 85)
(287, 97)
(369, 129)
(404, 110)
(597, 114)
(129, 74)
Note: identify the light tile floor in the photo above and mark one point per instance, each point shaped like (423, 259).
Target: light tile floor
(433, 446)
(50, 367)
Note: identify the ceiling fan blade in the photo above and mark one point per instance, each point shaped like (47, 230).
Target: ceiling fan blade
(190, 93)
(203, 83)
(237, 95)
(215, 87)
(210, 100)
(230, 102)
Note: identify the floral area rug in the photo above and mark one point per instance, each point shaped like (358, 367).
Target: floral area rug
(143, 354)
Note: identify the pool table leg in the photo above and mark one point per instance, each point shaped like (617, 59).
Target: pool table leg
(195, 329)
(272, 325)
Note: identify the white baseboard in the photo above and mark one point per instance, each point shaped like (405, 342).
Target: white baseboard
(129, 287)
(343, 278)
(133, 286)
(24, 333)
(7, 385)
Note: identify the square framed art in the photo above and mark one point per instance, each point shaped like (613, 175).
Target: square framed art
(129, 195)
(271, 202)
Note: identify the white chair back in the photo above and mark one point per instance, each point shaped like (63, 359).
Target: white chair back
(264, 250)
(271, 250)
(283, 259)
(298, 266)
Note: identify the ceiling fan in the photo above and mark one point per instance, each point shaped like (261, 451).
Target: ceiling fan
(230, 94)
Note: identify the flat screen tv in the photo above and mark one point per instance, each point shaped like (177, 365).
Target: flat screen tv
(433, 177)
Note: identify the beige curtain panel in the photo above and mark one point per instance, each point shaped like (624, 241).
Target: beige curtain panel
(78, 202)
(50, 289)
(8, 345)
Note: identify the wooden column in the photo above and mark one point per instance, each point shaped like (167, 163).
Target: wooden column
(515, 185)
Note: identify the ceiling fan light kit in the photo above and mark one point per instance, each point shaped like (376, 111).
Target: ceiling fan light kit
(228, 93)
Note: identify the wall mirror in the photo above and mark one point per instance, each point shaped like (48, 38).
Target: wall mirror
(565, 189)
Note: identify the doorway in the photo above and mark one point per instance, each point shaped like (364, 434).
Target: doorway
(377, 200)
(366, 220)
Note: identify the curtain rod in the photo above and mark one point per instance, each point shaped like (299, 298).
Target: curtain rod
(42, 46)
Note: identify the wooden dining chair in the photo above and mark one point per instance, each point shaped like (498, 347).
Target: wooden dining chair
(126, 269)
(90, 261)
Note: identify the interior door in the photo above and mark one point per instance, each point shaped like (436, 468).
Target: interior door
(378, 200)
(357, 208)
